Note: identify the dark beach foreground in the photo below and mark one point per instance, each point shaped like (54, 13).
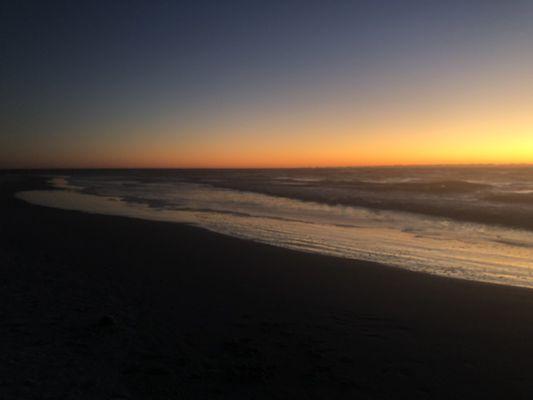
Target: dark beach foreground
(100, 307)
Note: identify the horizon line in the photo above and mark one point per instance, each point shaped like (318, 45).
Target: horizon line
(449, 165)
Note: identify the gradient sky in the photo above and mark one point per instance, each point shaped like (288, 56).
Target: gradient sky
(265, 83)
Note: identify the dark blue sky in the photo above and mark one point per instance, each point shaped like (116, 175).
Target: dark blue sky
(67, 65)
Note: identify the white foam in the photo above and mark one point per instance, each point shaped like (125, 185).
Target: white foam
(433, 245)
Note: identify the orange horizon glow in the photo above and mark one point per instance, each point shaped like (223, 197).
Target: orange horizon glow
(269, 162)
(429, 99)
(350, 145)
(439, 150)
(460, 122)
(341, 150)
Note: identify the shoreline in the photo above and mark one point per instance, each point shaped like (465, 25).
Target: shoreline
(101, 306)
(492, 217)
(504, 271)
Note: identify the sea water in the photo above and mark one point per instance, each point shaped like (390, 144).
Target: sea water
(469, 223)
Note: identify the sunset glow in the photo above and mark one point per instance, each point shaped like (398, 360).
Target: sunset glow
(289, 199)
(460, 95)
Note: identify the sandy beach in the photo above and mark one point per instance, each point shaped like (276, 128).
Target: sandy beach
(102, 307)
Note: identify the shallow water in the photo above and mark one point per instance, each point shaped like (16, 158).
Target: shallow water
(432, 244)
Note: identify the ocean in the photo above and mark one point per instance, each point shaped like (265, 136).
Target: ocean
(472, 223)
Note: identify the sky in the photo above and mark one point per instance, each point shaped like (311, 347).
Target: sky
(164, 84)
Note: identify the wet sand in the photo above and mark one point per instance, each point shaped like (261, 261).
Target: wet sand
(101, 307)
